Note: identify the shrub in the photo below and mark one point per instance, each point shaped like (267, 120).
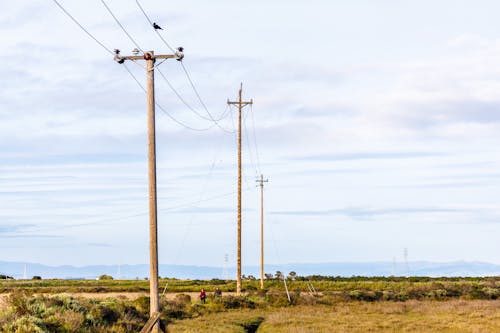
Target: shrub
(251, 325)
(19, 301)
(366, 295)
(183, 298)
(235, 302)
(177, 308)
(276, 298)
(26, 324)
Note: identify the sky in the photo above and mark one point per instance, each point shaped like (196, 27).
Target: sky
(377, 124)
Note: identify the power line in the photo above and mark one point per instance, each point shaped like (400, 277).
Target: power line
(164, 77)
(128, 70)
(255, 138)
(182, 99)
(165, 111)
(171, 208)
(250, 154)
(199, 97)
(82, 27)
(210, 116)
(151, 23)
(202, 193)
(121, 26)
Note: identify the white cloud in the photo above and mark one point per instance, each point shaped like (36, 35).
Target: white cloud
(327, 79)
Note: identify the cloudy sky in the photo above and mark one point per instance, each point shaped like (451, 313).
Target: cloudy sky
(376, 122)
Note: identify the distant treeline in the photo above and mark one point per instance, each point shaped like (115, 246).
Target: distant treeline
(393, 278)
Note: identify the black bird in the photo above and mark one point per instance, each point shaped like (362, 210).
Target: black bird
(156, 26)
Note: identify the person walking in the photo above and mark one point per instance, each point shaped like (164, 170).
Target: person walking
(203, 296)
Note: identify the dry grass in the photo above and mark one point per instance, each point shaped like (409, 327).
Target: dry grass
(3, 301)
(411, 316)
(455, 316)
(222, 322)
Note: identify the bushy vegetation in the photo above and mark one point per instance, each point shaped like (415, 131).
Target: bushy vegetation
(62, 313)
(48, 311)
(455, 287)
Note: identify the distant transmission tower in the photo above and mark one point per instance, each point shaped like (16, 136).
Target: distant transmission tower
(225, 273)
(407, 267)
(25, 274)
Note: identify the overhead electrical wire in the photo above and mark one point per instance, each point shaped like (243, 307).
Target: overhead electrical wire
(109, 221)
(128, 70)
(255, 138)
(161, 73)
(151, 23)
(250, 154)
(82, 27)
(187, 231)
(210, 116)
(180, 97)
(121, 26)
(199, 97)
(165, 111)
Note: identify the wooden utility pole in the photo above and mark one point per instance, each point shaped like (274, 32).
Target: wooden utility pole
(154, 303)
(261, 182)
(240, 104)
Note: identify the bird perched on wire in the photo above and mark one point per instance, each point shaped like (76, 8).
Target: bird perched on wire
(156, 26)
(179, 54)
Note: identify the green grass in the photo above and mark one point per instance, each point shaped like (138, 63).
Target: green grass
(397, 288)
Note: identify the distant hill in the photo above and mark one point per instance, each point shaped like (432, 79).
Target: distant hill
(418, 268)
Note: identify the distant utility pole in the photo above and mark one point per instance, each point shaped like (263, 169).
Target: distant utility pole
(154, 304)
(240, 104)
(261, 182)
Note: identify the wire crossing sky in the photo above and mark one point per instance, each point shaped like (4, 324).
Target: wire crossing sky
(377, 124)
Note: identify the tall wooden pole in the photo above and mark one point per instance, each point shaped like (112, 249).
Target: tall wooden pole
(154, 302)
(240, 104)
(261, 184)
(238, 279)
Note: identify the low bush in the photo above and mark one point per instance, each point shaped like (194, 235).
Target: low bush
(235, 302)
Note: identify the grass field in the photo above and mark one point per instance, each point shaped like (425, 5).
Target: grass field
(339, 305)
(412, 316)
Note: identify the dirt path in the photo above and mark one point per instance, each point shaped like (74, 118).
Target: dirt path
(3, 298)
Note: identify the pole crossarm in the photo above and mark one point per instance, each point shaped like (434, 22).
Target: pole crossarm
(238, 103)
(145, 57)
(148, 56)
(261, 181)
